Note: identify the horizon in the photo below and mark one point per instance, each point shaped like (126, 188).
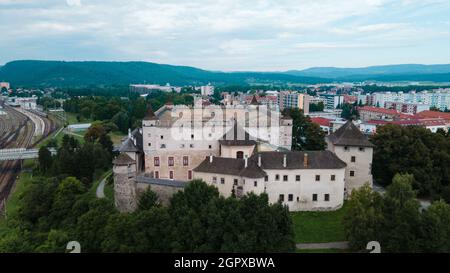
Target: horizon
(267, 36)
(231, 71)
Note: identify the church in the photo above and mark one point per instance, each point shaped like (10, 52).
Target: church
(238, 149)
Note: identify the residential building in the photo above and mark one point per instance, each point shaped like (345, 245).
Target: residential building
(207, 90)
(369, 113)
(333, 100)
(409, 108)
(145, 88)
(289, 99)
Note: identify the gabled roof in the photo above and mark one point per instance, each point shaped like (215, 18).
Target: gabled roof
(150, 115)
(254, 101)
(123, 159)
(433, 114)
(295, 160)
(128, 146)
(349, 135)
(231, 166)
(237, 136)
(321, 121)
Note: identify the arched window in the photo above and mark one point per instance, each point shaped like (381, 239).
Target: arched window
(240, 154)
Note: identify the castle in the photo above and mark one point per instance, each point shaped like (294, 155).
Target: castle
(239, 149)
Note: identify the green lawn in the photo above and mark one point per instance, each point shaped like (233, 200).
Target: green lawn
(319, 227)
(72, 118)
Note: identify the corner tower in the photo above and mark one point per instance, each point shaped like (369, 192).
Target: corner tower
(352, 147)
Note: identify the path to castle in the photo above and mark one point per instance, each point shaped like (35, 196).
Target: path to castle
(332, 245)
(101, 189)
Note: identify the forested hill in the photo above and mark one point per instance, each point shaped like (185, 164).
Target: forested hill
(63, 74)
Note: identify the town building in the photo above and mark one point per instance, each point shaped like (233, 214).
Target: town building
(207, 90)
(409, 108)
(146, 88)
(370, 112)
(333, 100)
(290, 99)
(4, 85)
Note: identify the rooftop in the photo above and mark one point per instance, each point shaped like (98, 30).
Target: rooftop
(123, 159)
(349, 135)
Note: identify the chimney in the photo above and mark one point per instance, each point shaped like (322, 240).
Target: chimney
(305, 160)
(210, 159)
(245, 162)
(284, 160)
(129, 133)
(259, 160)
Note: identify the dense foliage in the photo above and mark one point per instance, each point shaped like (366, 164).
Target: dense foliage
(417, 151)
(306, 135)
(125, 113)
(54, 212)
(316, 107)
(396, 221)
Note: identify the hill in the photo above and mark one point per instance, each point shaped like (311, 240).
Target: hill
(60, 74)
(402, 72)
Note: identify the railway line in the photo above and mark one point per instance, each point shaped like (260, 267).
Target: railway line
(18, 130)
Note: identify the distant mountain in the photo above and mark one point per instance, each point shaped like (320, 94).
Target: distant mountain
(402, 72)
(59, 74)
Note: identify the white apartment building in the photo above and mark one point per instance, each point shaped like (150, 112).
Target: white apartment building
(333, 101)
(207, 90)
(439, 98)
(289, 99)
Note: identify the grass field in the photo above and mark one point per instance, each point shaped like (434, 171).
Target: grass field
(116, 137)
(72, 118)
(319, 227)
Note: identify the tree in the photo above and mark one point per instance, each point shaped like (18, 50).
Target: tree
(316, 107)
(363, 217)
(435, 228)
(148, 200)
(66, 195)
(349, 111)
(45, 159)
(94, 132)
(400, 226)
(305, 134)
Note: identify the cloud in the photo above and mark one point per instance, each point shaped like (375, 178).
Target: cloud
(222, 34)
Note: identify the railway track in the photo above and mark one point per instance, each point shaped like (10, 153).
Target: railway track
(17, 133)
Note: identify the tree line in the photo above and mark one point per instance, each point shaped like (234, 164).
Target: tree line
(417, 151)
(396, 220)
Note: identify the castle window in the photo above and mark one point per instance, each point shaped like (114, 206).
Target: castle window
(189, 175)
(361, 149)
(171, 161)
(191, 145)
(327, 197)
(185, 160)
(285, 178)
(192, 136)
(156, 161)
(156, 174)
(297, 178)
(266, 178)
(346, 148)
(353, 159)
(333, 177)
(255, 183)
(314, 197)
(290, 197)
(222, 180)
(163, 146)
(352, 173)
(235, 182)
(317, 177)
(240, 154)
(171, 174)
(162, 137)
(149, 144)
(277, 177)
(214, 180)
(281, 198)
(210, 146)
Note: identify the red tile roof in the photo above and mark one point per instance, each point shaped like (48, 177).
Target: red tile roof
(433, 114)
(321, 121)
(379, 110)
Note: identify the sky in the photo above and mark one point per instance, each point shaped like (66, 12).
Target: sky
(228, 35)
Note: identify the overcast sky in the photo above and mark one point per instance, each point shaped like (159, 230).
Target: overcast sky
(228, 35)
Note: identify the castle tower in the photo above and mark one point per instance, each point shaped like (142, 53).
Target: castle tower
(352, 147)
(124, 171)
